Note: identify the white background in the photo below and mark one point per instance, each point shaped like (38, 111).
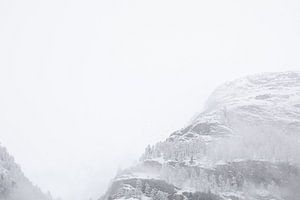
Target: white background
(86, 85)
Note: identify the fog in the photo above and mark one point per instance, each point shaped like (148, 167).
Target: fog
(86, 85)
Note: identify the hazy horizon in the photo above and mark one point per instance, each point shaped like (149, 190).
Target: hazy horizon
(86, 85)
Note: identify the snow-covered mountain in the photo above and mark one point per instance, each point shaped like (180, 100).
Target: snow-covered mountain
(244, 145)
(13, 184)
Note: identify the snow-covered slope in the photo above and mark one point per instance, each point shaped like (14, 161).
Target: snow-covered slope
(13, 184)
(245, 144)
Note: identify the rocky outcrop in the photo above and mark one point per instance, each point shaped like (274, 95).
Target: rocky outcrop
(245, 144)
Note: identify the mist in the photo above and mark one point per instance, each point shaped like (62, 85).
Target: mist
(86, 85)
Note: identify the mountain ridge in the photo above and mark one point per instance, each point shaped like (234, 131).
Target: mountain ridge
(14, 185)
(248, 126)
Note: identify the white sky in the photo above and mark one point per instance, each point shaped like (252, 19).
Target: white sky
(86, 85)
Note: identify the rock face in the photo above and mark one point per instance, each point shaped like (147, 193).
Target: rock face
(244, 145)
(13, 184)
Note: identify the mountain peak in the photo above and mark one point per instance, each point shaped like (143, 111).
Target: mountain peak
(244, 145)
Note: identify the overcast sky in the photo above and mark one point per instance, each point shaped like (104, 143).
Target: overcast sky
(85, 85)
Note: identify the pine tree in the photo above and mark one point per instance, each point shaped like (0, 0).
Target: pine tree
(161, 196)
(153, 193)
(192, 160)
(147, 190)
(139, 185)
